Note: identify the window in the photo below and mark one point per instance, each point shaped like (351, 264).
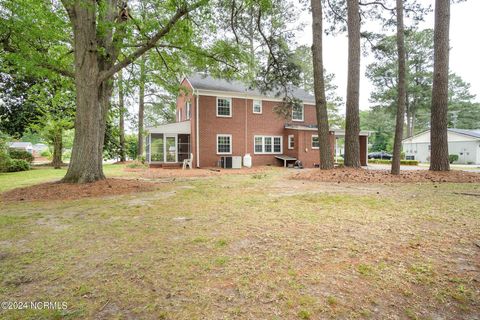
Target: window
(315, 142)
(268, 144)
(224, 107)
(257, 106)
(188, 108)
(291, 141)
(258, 144)
(224, 144)
(297, 113)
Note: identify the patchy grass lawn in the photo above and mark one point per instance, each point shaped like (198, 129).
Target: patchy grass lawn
(46, 174)
(256, 246)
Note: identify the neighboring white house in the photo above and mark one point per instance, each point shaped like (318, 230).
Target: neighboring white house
(464, 143)
(39, 148)
(25, 146)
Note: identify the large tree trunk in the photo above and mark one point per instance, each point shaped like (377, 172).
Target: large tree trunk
(141, 107)
(57, 149)
(352, 121)
(121, 106)
(439, 133)
(86, 161)
(319, 86)
(402, 89)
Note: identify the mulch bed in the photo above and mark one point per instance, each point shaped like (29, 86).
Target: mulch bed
(68, 191)
(346, 175)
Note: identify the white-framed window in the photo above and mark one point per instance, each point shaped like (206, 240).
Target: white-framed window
(268, 144)
(224, 144)
(315, 142)
(297, 113)
(257, 106)
(188, 108)
(224, 107)
(291, 141)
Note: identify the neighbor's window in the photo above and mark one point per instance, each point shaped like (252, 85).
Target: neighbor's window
(257, 106)
(224, 143)
(291, 141)
(315, 142)
(297, 113)
(188, 108)
(224, 107)
(268, 144)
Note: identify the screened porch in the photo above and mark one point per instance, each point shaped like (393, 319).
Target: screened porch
(169, 143)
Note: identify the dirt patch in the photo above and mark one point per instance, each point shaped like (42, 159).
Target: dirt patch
(383, 176)
(156, 173)
(68, 191)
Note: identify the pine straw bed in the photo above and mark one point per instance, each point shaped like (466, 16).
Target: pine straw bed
(339, 175)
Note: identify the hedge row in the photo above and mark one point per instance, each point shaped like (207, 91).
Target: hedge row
(404, 162)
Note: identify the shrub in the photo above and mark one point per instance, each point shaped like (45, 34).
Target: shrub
(404, 162)
(452, 158)
(136, 165)
(46, 153)
(15, 165)
(21, 155)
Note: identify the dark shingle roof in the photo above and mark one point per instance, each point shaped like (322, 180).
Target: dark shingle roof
(203, 82)
(472, 133)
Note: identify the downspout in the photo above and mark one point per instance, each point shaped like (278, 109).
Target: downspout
(246, 127)
(197, 138)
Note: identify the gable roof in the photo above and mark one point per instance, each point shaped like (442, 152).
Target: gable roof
(472, 133)
(205, 82)
(466, 132)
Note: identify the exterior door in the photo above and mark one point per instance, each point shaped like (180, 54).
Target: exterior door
(171, 148)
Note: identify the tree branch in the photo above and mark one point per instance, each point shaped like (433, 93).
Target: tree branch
(151, 42)
(376, 3)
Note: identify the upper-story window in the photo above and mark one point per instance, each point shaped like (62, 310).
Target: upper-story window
(224, 107)
(297, 113)
(188, 108)
(257, 106)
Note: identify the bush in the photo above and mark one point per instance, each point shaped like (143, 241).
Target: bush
(136, 165)
(15, 165)
(21, 155)
(46, 153)
(404, 162)
(452, 158)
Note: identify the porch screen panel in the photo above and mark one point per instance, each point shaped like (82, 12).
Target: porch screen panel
(183, 147)
(156, 147)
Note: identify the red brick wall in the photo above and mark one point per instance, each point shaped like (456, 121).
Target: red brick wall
(243, 126)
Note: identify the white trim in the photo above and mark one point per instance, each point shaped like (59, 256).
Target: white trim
(231, 107)
(231, 143)
(253, 106)
(263, 144)
(197, 129)
(185, 78)
(311, 142)
(239, 95)
(303, 115)
(291, 136)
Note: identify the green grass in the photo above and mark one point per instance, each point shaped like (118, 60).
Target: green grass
(46, 174)
(255, 248)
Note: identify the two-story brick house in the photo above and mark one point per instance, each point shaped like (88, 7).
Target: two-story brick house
(216, 117)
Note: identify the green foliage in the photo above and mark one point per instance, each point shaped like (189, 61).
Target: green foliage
(131, 143)
(15, 165)
(452, 158)
(46, 153)
(4, 157)
(20, 155)
(402, 162)
(137, 165)
(383, 126)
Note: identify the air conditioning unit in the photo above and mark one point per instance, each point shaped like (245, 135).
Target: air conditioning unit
(231, 162)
